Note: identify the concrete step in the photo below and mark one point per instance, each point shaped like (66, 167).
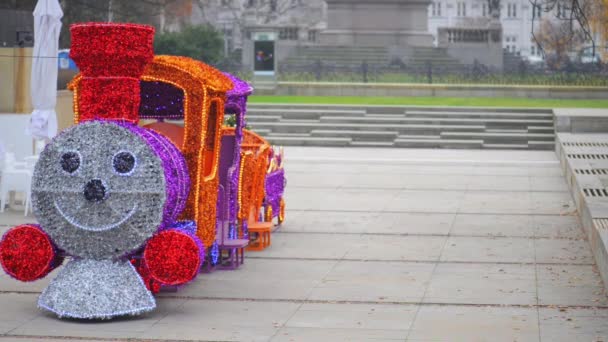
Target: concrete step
(357, 135)
(308, 141)
(262, 131)
(506, 146)
(290, 113)
(263, 118)
(280, 135)
(541, 145)
(499, 138)
(541, 129)
(439, 143)
(392, 109)
(414, 136)
(439, 120)
(287, 127)
(496, 130)
(372, 144)
(472, 115)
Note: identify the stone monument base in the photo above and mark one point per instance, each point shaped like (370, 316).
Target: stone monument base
(382, 23)
(374, 38)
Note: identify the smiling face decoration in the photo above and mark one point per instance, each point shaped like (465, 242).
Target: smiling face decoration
(99, 200)
(101, 190)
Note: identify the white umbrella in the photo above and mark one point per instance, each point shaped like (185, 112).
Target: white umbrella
(47, 26)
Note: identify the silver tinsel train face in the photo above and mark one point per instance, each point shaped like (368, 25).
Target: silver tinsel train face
(98, 190)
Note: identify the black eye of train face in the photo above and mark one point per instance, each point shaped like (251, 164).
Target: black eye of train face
(70, 162)
(124, 162)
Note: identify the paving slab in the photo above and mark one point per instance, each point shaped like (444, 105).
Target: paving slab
(558, 226)
(426, 201)
(420, 248)
(502, 183)
(569, 324)
(213, 320)
(483, 284)
(492, 202)
(368, 222)
(375, 281)
(289, 334)
(563, 251)
(570, 285)
(475, 323)
(488, 249)
(493, 225)
(267, 279)
(355, 316)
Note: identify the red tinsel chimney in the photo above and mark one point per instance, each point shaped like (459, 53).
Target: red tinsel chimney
(111, 58)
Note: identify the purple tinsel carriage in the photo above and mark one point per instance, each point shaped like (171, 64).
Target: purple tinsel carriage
(230, 170)
(274, 189)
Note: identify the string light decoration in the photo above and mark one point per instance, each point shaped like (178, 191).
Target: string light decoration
(202, 86)
(236, 104)
(273, 189)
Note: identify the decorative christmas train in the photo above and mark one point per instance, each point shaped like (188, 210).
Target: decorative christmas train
(148, 188)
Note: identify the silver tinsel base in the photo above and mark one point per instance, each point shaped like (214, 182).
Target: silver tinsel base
(97, 289)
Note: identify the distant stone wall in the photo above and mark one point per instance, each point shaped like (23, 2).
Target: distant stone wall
(470, 45)
(433, 90)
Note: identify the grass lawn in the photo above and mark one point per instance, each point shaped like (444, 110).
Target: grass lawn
(433, 101)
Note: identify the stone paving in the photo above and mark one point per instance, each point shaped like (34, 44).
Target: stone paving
(382, 245)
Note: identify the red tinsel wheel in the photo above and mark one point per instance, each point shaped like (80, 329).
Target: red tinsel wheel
(144, 273)
(27, 253)
(173, 257)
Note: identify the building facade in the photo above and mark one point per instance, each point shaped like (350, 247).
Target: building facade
(516, 16)
(296, 20)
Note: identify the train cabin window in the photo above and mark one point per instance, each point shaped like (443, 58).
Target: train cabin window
(210, 137)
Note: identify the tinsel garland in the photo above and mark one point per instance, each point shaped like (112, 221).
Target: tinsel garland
(111, 58)
(173, 256)
(274, 188)
(27, 253)
(204, 91)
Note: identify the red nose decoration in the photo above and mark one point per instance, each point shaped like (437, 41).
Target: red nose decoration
(111, 59)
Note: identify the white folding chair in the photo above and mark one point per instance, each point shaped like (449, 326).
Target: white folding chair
(17, 177)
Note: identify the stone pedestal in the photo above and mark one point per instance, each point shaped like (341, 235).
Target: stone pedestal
(382, 23)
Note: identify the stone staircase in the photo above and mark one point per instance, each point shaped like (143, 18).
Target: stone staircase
(511, 61)
(337, 55)
(418, 58)
(399, 126)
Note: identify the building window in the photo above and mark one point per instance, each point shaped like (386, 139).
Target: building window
(484, 10)
(537, 12)
(312, 35)
(436, 9)
(462, 9)
(288, 33)
(562, 11)
(511, 10)
(226, 3)
(273, 5)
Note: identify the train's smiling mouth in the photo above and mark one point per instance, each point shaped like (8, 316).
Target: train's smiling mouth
(73, 222)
